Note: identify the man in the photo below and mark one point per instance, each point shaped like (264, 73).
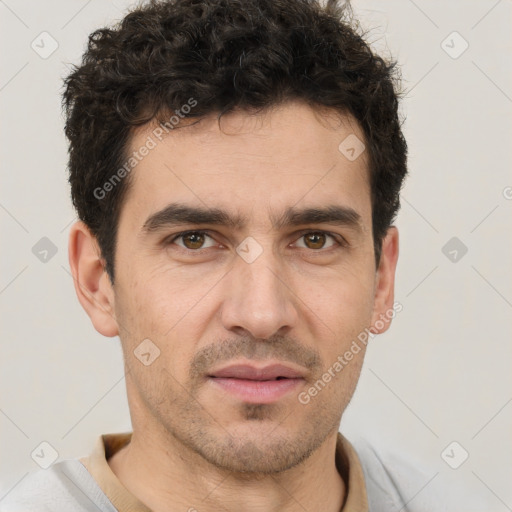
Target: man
(236, 168)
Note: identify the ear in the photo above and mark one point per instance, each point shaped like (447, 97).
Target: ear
(92, 283)
(385, 283)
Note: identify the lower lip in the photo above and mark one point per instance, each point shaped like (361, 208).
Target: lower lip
(257, 391)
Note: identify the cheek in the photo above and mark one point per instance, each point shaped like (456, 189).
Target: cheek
(156, 303)
(342, 301)
(345, 313)
(171, 316)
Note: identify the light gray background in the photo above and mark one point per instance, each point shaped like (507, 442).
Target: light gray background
(441, 374)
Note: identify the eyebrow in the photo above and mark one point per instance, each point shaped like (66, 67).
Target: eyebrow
(176, 214)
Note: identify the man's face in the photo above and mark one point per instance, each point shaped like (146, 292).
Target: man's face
(224, 309)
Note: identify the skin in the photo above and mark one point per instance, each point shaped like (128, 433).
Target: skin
(302, 302)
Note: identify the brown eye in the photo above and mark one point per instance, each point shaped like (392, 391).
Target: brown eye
(317, 240)
(192, 240)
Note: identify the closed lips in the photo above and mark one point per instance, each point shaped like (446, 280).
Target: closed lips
(247, 372)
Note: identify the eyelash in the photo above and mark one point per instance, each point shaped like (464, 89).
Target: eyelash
(339, 241)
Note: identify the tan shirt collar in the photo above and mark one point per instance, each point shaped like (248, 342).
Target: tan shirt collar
(106, 445)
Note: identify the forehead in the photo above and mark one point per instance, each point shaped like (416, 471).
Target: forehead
(289, 156)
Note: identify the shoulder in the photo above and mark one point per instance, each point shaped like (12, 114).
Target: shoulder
(64, 486)
(391, 480)
(398, 480)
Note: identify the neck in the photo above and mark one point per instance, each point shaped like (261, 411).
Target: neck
(166, 475)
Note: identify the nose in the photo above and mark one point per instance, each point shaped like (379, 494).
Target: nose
(258, 300)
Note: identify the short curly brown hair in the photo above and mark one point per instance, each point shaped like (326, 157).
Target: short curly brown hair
(226, 54)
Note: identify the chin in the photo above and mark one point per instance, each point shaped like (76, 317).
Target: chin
(256, 448)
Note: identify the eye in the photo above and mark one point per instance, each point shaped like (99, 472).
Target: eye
(317, 239)
(192, 240)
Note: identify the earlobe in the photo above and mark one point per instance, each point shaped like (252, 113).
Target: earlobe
(385, 283)
(92, 284)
